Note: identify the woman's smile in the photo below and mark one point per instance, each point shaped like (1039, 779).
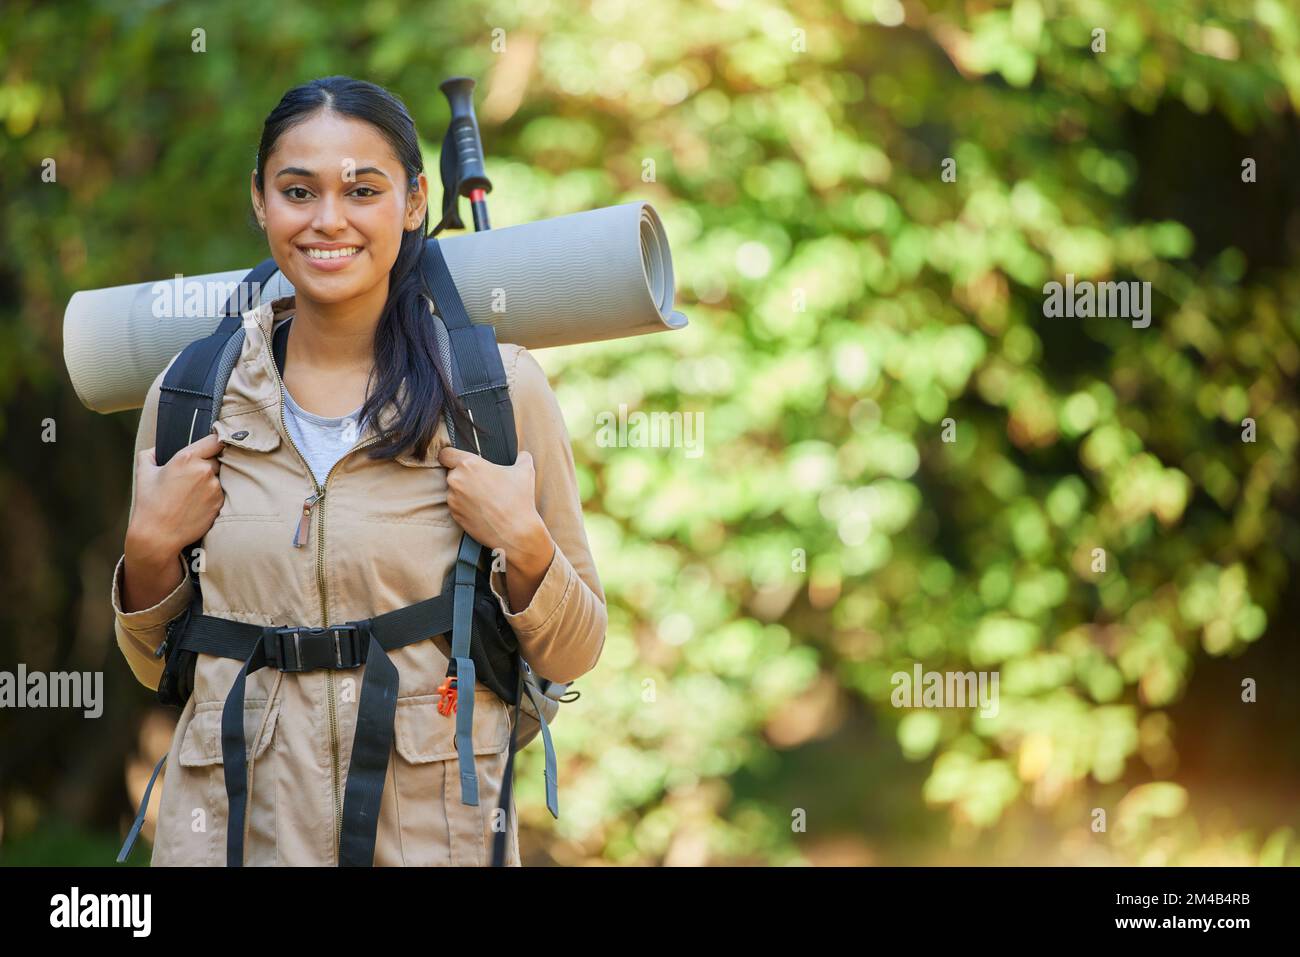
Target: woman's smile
(330, 258)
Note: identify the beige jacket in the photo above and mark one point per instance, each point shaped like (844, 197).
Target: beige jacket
(381, 537)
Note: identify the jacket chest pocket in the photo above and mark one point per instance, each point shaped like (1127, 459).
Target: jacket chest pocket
(436, 828)
(198, 812)
(251, 468)
(249, 562)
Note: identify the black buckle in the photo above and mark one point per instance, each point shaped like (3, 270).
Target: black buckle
(298, 648)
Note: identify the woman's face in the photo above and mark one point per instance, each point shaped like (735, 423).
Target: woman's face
(332, 182)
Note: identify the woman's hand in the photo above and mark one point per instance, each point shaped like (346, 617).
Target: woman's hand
(176, 503)
(496, 505)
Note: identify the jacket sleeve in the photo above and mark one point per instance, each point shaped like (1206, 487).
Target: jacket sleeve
(139, 633)
(562, 631)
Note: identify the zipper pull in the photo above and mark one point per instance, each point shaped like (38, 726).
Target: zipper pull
(303, 531)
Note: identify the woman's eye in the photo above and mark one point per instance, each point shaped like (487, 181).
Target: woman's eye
(369, 192)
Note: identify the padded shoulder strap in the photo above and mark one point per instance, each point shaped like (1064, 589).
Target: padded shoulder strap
(477, 372)
(480, 380)
(185, 403)
(190, 395)
(191, 391)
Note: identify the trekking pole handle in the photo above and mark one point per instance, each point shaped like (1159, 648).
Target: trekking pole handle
(474, 182)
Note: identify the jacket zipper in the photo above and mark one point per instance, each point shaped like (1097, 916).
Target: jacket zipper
(299, 539)
(329, 672)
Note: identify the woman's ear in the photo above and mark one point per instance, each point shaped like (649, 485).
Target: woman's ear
(417, 202)
(257, 200)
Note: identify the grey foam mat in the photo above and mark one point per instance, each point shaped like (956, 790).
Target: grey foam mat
(586, 277)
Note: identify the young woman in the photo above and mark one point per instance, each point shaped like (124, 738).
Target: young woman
(329, 493)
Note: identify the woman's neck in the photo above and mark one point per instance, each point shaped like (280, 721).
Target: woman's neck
(330, 351)
(336, 336)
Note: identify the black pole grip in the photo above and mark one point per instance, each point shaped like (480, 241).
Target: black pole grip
(464, 136)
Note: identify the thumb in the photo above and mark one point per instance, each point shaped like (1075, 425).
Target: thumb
(449, 456)
(146, 457)
(524, 458)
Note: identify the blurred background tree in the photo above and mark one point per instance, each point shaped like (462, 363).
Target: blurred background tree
(846, 299)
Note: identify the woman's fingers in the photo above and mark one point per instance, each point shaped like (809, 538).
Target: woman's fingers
(207, 447)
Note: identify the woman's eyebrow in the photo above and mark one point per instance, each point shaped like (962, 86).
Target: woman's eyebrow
(299, 171)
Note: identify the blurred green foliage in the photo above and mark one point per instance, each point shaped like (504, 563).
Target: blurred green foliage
(846, 302)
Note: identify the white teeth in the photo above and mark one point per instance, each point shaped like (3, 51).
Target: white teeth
(331, 253)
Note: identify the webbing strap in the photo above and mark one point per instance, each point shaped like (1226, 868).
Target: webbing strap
(507, 782)
(376, 711)
(373, 739)
(210, 635)
(220, 636)
(552, 785)
(462, 628)
(234, 754)
(132, 834)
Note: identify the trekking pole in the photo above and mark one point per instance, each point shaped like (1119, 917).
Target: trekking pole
(462, 168)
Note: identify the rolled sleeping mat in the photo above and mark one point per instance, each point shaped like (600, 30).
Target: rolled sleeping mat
(586, 277)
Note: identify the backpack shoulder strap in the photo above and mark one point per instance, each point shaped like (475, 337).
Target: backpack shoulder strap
(477, 372)
(191, 392)
(188, 402)
(480, 381)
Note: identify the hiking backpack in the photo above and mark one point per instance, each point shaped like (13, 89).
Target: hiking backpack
(484, 648)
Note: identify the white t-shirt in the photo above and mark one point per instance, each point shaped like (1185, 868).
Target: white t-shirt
(322, 440)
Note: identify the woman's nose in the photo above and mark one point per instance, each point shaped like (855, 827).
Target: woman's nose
(329, 215)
